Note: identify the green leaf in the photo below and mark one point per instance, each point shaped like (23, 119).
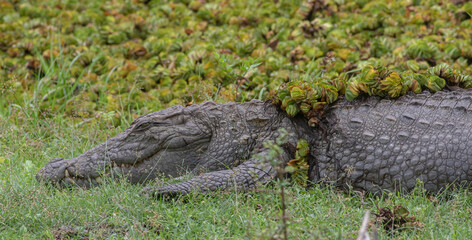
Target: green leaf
(400, 212)
(435, 83)
(296, 93)
(302, 148)
(292, 110)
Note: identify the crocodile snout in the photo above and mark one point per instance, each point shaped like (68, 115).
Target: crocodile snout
(54, 171)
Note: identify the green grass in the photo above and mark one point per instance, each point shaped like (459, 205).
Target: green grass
(117, 210)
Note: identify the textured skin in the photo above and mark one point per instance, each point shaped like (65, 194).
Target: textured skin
(375, 144)
(217, 142)
(367, 144)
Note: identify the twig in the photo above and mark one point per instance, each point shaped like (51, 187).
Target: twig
(284, 218)
(363, 234)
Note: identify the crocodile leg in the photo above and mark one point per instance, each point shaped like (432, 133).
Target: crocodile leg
(245, 176)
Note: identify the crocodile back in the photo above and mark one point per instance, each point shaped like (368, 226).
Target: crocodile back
(373, 143)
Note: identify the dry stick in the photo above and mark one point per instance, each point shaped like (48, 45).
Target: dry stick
(282, 196)
(363, 234)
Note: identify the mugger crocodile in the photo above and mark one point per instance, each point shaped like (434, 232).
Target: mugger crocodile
(367, 144)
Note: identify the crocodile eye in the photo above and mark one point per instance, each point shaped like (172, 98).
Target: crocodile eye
(142, 126)
(146, 125)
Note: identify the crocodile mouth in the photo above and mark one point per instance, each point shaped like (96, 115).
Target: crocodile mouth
(169, 163)
(66, 172)
(134, 173)
(69, 180)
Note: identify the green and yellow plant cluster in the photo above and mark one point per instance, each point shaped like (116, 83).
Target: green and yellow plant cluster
(85, 58)
(385, 49)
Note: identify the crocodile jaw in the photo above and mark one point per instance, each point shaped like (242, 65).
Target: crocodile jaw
(154, 144)
(88, 169)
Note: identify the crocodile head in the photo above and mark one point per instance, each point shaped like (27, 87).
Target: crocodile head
(167, 142)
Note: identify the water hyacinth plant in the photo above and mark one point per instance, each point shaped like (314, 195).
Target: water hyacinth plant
(145, 55)
(310, 93)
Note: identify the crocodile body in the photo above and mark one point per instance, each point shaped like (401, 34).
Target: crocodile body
(367, 144)
(375, 143)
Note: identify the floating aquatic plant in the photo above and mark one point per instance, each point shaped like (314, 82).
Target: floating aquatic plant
(127, 54)
(309, 94)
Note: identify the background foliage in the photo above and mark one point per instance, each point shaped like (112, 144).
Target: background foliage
(90, 57)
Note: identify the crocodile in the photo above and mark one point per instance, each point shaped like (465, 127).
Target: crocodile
(369, 144)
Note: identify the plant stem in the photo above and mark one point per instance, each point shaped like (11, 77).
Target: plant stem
(282, 198)
(284, 219)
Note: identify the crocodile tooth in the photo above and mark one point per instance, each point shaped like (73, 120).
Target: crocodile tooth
(66, 173)
(69, 181)
(114, 164)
